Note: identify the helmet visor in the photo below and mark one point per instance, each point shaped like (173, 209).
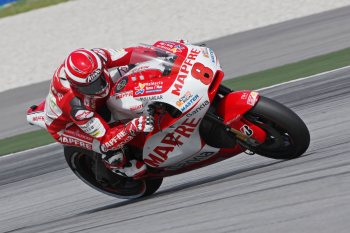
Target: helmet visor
(94, 88)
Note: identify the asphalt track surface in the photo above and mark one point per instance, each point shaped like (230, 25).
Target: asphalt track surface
(242, 194)
(38, 193)
(239, 54)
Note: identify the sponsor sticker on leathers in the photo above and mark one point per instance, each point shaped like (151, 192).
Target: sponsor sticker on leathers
(83, 115)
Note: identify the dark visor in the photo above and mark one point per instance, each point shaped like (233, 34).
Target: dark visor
(94, 88)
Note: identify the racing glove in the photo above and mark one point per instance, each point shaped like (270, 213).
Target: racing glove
(142, 124)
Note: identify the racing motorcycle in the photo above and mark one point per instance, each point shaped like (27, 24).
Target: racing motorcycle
(198, 121)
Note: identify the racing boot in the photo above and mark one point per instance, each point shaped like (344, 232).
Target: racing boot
(133, 168)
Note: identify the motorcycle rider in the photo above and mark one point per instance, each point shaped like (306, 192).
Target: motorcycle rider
(74, 107)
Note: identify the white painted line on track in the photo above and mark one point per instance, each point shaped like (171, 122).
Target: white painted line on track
(29, 150)
(304, 78)
(264, 88)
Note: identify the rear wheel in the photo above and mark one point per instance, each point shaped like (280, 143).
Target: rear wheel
(287, 135)
(90, 169)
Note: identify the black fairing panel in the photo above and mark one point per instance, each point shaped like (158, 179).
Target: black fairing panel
(215, 134)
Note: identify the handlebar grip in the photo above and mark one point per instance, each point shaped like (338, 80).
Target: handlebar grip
(151, 110)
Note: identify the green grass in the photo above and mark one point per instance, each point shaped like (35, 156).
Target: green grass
(25, 141)
(253, 81)
(26, 5)
(291, 71)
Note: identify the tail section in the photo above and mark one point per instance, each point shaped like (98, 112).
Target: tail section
(36, 115)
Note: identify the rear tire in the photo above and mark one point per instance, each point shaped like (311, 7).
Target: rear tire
(287, 135)
(88, 167)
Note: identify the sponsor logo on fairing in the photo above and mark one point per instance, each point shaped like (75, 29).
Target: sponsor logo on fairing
(151, 98)
(140, 92)
(176, 138)
(189, 103)
(252, 98)
(136, 107)
(170, 46)
(205, 52)
(154, 91)
(140, 89)
(177, 48)
(247, 130)
(198, 109)
(154, 87)
(149, 87)
(184, 71)
(121, 95)
(212, 56)
(121, 84)
(184, 99)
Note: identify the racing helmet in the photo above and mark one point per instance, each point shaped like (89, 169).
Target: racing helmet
(86, 73)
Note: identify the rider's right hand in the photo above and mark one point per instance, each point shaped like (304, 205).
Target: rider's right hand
(143, 124)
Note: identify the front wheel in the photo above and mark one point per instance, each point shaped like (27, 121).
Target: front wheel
(90, 169)
(287, 135)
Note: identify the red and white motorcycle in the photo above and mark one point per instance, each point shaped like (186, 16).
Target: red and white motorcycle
(198, 121)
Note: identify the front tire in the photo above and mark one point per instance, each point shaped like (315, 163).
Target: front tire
(287, 135)
(88, 167)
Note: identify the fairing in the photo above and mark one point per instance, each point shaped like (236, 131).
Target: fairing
(179, 76)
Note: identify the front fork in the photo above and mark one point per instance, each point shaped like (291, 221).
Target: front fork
(238, 134)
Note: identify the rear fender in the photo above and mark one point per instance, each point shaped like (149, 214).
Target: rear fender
(36, 115)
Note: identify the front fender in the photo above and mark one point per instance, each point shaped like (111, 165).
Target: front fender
(235, 104)
(232, 108)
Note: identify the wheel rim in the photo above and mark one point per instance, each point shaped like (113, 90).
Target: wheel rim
(278, 139)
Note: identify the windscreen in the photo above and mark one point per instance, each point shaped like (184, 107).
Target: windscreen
(153, 58)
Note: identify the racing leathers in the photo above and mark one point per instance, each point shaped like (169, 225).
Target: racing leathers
(78, 120)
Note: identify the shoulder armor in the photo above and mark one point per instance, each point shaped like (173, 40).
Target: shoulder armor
(60, 82)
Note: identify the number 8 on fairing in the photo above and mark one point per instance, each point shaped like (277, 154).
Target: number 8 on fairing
(202, 73)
